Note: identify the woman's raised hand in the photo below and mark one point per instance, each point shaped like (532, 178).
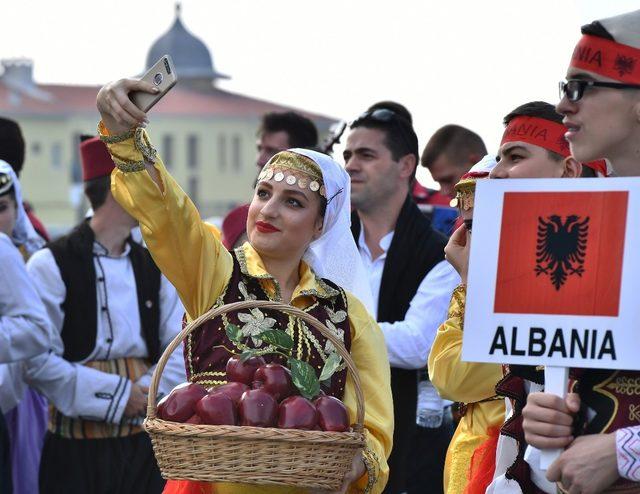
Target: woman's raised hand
(457, 251)
(118, 113)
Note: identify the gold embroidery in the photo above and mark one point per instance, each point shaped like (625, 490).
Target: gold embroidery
(602, 389)
(372, 464)
(128, 167)
(457, 305)
(634, 413)
(143, 144)
(625, 385)
(114, 139)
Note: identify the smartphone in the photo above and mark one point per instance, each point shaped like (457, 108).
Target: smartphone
(163, 76)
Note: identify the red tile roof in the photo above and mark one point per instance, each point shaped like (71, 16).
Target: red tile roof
(68, 99)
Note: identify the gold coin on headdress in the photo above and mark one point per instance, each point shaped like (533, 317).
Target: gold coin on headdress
(291, 179)
(279, 177)
(314, 186)
(269, 174)
(323, 191)
(302, 183)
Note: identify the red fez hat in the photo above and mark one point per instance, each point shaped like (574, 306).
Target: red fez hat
(234, 225)
(96, 161)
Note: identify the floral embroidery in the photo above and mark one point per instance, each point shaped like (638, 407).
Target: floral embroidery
(330, 347)
(255, 323)
(337, 317)
(245, 293)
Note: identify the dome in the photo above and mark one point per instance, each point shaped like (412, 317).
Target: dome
(190, 55)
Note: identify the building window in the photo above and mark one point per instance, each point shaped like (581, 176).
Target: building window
(236, 153)
(76, 169)
(36, 148)
(193, 190)
(167, 150)
(56, 156)
(193, 158)
(222, 152)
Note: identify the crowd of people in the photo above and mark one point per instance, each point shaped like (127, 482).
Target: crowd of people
(355, 242)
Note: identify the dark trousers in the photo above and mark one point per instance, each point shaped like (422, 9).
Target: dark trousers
(426, 461)
(5, 458)
(99, 466)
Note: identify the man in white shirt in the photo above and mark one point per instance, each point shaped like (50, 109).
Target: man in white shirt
(113, 313)
(410, 281)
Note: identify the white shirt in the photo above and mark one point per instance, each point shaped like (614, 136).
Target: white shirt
(24, 326)
(77, 390)
(409, 341)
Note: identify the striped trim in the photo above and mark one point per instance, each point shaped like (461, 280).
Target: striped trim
(130, 370)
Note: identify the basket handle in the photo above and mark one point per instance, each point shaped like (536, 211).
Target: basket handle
(261, 304)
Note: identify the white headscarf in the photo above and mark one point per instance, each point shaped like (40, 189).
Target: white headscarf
(23, 232)
(335, 254)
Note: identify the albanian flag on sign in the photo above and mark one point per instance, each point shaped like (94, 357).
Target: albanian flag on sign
(561, 253)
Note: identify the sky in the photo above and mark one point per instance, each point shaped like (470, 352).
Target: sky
(453, 61)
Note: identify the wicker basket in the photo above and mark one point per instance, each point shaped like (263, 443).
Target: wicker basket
(254, 455)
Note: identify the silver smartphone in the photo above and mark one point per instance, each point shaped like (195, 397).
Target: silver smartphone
(163, 76)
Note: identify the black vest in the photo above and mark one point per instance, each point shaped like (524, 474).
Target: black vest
(73, 254)
(415, 249)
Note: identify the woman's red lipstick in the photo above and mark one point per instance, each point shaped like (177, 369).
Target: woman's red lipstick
(264, 227)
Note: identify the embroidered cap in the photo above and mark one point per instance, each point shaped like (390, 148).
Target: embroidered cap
(466, 187)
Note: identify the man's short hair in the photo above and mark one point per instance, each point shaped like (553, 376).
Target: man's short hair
(456, 143)
(11, 144)
(400, 138)
(539, 109)
(302, 131)
(97, 190)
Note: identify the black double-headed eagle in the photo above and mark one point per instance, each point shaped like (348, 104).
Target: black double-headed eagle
(561, 247)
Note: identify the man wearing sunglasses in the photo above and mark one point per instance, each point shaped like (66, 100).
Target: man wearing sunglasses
(410, 281)
(601, 107)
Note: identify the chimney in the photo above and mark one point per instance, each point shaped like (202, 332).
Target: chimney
(18, 73)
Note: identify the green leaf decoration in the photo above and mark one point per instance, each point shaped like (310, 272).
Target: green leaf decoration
(234, 333)
(278, 338)
(330, 366)
(247, 354)
(304, 378)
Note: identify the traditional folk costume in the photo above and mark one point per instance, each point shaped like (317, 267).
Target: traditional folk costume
(610, 398)
(190, 253)
(470, 383)
(24, 327)
(517, 466)
(112, 317)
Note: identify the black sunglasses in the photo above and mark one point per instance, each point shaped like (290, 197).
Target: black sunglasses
(386, 116)
(574, 89)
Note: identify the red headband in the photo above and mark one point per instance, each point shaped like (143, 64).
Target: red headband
(607, 58)
(539, 132)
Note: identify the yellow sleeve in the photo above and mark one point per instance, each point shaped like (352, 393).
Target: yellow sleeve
(369, 353)
(187, 250)
(455, 380)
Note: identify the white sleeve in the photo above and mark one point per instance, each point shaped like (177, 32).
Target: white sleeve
(12, 385)
(409, 341)
(24, 327)
(171, 312)
(74, 389)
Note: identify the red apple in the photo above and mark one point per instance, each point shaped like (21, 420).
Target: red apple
(242, 372)
(194, 420)
(233, 390)
(181, 402)
(274, 379)
(257, 408)
(217, 409)
(332, 414)
(297, 412)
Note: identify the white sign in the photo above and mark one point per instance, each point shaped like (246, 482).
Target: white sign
(554, 273)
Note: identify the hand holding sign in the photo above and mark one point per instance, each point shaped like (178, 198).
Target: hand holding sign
(553, 281)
